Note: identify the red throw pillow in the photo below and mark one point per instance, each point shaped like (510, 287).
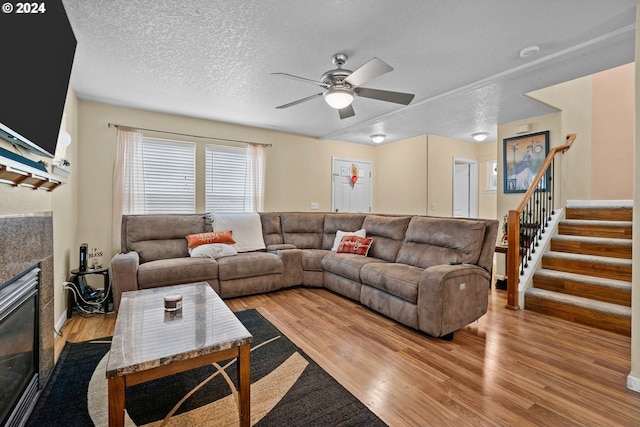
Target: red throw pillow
(355, 245)
(194, 240)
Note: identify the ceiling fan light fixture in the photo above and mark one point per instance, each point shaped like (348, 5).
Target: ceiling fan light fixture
(338, 97)
(480, 136)
(378, 138)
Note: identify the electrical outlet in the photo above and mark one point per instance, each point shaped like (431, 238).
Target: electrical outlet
(315, 205)
(463, 286)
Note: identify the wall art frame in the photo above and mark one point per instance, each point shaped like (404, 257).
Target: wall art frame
(523, 155)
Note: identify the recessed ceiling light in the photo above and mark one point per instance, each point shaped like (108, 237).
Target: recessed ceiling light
(480, 136)
(529, 51)
(378, 138)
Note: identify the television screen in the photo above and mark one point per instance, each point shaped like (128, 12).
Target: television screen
(38, 46)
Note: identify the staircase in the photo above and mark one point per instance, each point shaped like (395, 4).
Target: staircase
(585, 277)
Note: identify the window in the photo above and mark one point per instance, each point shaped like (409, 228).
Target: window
(166, 175)
(492, 176)
(234, 178)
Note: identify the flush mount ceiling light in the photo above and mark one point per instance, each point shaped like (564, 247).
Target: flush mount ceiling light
(480, 136)
(529, 51)
(378, 138)
(338, 97)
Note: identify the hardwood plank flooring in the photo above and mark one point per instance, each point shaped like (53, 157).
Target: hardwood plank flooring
(510, 368)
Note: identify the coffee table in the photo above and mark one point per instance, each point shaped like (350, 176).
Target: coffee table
(149, 342)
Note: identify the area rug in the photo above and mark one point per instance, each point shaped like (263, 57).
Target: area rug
(287, 389)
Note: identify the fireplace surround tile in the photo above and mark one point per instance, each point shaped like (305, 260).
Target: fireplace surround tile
(27, 241)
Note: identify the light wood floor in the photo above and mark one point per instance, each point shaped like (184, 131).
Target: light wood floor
(511, 368)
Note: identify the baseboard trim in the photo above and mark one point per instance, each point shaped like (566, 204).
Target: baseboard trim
(633, 383)
(60, 323)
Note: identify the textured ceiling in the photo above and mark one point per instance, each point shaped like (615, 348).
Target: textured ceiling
(213, 59)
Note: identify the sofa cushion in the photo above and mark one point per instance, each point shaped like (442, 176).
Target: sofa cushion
(248, 264)
(400, 280)
(160, 236)
(153, 250)
(312, 259)
(176, 271)
(388, 235)
(271, 228)
(435, 241)
(339, 221)
(346, 265)
(304, 230)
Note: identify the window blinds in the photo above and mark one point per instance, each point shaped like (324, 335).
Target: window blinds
(169, 176)
(226, 175)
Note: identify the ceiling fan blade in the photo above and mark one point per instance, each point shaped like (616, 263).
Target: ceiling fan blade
(302, 79)
(346, 112)
(369, 71)
(385, 95)
(299, 101)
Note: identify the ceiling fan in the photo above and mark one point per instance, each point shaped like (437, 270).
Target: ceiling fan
(343, 85)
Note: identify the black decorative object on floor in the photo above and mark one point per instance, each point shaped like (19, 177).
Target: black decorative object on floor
(287, 389)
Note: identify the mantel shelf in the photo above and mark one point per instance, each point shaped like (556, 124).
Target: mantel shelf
(17, 174)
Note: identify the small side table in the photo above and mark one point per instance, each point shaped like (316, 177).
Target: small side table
(78, 278)
(502, 283)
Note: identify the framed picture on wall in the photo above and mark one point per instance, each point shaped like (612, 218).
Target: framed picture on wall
(523, 156)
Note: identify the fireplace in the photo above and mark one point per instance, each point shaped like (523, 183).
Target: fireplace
(26, 312)
(19, 336)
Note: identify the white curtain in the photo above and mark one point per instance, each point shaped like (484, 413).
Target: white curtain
(254, 184)
(128, 179)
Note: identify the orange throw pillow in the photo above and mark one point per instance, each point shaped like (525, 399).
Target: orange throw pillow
(194, 240)
(355, 245)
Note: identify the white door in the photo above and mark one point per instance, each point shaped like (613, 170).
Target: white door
(465, 188)
(351, 194)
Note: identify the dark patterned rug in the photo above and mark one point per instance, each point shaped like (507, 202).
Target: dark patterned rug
(287, 389)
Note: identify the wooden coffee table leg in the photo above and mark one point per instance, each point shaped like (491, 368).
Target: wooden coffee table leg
(116, 402)
(244, 381)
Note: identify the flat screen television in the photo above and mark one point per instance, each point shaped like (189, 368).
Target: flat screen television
(38, 46)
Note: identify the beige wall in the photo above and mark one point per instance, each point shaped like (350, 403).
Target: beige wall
(441, 152)
(400, 177)
(574, 100)
(612, 134)
(487, 199)
(550, 122)
(61, 202)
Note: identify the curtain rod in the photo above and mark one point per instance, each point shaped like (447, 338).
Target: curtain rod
(115, 125)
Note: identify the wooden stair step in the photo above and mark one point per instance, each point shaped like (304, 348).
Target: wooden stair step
(585, 245)
(598, 266)
(611, 317)
(606, 213)
(607, 229)
(597, 288)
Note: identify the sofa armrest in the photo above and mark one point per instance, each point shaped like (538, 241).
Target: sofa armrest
(123, 271)
(451, 296)
(291, 265)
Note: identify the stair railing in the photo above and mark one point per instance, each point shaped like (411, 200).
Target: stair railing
(528, 222)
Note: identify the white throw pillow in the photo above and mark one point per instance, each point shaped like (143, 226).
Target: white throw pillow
(340, 234)
(212, 250)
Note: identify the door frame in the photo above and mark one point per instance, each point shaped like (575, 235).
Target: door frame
(473, 185)
(333, 181)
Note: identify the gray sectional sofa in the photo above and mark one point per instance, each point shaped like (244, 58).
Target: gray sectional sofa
(432, 274)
